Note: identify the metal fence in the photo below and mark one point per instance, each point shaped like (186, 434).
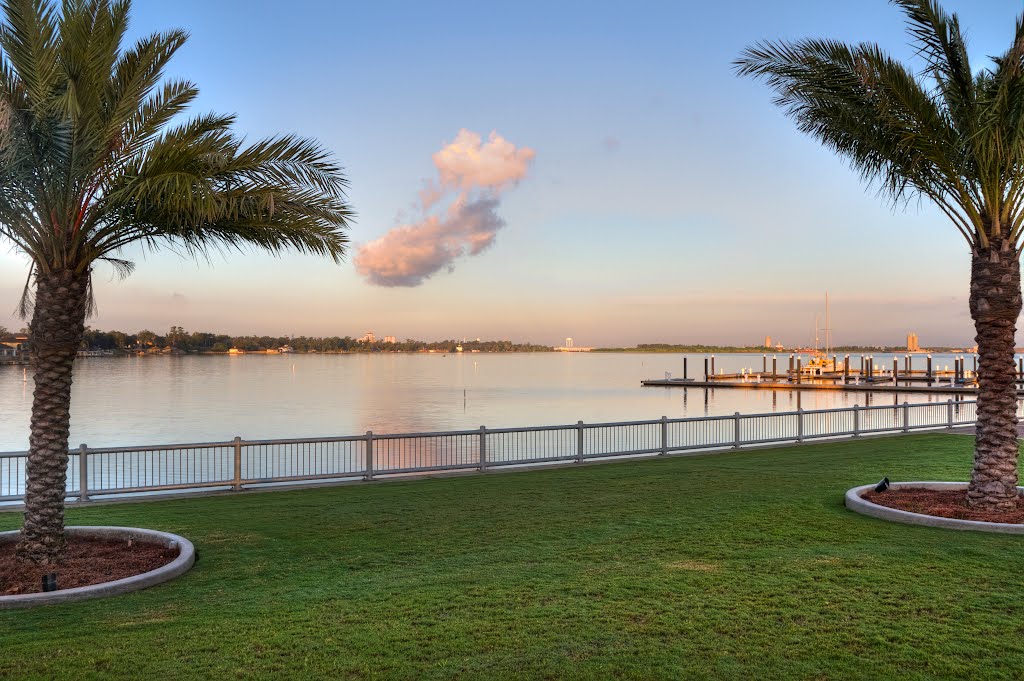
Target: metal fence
(241, 464)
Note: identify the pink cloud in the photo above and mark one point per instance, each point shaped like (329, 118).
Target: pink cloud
(473, 175)
(408, 255)
(467, 163)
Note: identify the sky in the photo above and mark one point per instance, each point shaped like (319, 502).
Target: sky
(536, 170)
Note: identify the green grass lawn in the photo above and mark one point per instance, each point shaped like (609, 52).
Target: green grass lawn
(737, 565)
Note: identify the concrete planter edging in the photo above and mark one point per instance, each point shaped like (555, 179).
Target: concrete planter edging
(857, 503)
(180, 565)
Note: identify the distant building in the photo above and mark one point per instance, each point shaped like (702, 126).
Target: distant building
(390, 339)
(912, 344)
(570, 346)
(768, 341)
(14, 346)
(368, 337)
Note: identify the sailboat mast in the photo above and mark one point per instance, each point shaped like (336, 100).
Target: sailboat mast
(828, 327)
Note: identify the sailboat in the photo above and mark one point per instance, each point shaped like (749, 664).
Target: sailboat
(821, 363)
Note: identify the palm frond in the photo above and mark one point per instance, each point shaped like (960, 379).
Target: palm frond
(29, 39)
(941, 132)
(122, 268)
(27, 299)
(90, 162)
(870, 110)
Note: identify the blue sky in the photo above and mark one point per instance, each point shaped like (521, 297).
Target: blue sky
(668, 200)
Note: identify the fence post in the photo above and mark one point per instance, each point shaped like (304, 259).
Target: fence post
(579, 442)
(949, 413)
(856, 420)
(736, 430)
(906, 417)
(664, 435)
(83, 473)
(237, 482)
(483, 448)
(369, 456)
(800, 424)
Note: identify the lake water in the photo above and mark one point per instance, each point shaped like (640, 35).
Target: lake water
(170, 399)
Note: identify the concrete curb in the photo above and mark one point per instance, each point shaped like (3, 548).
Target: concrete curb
(855, 502)
(180, 565)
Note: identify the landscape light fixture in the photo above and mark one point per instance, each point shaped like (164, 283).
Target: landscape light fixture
(882, 485)
(50, 582)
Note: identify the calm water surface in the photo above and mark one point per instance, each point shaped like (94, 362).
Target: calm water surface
(168, 399)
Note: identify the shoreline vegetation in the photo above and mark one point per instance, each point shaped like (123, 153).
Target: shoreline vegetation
(180, 341)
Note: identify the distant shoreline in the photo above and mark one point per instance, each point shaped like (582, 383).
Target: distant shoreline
(635, 351)
(178, 340)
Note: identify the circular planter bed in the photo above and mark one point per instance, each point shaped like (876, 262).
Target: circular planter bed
(100, 561)
(944, 502)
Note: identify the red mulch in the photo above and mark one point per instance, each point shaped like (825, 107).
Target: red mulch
(942, 503)
(87, 561)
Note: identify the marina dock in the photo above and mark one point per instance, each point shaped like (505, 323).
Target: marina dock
(823, 373)
(873, 386)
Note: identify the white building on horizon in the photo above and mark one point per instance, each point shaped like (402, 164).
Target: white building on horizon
(570, 346)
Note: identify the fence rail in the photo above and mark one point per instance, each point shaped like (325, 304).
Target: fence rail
(239, 464)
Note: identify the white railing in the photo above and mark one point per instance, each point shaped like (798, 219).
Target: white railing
(241, 464)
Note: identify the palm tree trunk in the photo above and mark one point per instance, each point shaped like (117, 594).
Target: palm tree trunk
(995, 304)
(58, 324)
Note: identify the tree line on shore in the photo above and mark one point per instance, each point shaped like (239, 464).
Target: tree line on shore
(180, 340)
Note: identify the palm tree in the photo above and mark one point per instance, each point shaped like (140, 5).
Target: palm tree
(90, 165)
(951, 136)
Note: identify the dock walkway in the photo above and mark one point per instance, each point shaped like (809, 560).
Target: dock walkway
(877, 387)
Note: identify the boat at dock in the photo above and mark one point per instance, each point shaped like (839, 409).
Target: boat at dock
(820, 366)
